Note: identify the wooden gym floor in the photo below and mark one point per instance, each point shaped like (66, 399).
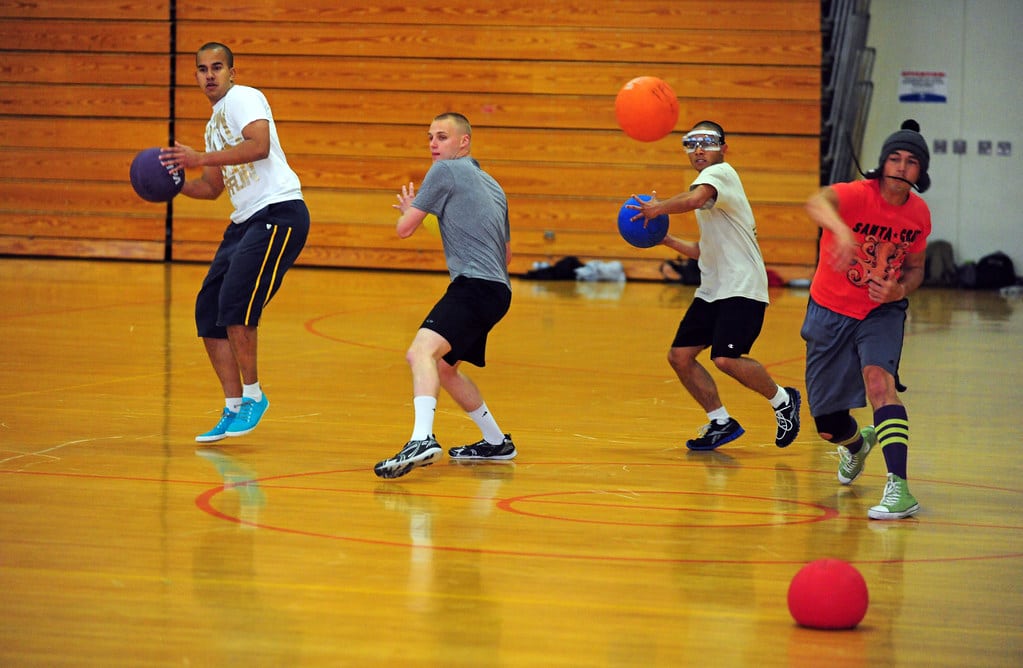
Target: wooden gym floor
(606, 543)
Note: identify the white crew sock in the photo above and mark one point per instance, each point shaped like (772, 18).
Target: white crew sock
(781, 398)
(254, 392)
(720, 415)
(492, 434)
(425, 407)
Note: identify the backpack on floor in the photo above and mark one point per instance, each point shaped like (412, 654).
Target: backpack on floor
(681, 270)
(995, 271)
(940, 267)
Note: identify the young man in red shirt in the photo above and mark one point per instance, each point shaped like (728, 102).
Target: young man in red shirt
(874, 235)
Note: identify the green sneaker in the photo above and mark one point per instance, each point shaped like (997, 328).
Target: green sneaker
(850, 466)
(896, 503)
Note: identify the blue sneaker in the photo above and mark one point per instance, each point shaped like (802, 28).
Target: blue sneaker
(248, 417)
(713, 435)
(788, 419)
(219, 431)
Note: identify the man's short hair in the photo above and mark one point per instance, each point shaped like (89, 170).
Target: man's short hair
(461, 121)
(212, 46)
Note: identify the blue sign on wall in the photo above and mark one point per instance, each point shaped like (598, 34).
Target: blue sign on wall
(916, 86)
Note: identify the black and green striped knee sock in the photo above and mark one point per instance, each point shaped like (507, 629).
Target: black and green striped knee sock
(891, 423)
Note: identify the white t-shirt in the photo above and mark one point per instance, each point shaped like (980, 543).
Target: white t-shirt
(253, 185)
(730, 261)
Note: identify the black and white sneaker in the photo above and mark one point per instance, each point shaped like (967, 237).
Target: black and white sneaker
(413, 455)
(788, 419)
(713, 435)
(483, 450)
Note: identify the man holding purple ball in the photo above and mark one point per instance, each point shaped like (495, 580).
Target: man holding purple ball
(268, 230)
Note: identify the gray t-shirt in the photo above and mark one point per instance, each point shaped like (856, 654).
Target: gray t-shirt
(472, 210)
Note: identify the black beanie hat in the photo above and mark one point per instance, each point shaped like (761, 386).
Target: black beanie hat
(908, 139)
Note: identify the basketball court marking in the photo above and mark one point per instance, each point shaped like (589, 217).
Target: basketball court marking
(802, 513)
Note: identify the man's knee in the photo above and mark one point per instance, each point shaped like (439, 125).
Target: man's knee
(836, 427)
(680, 358)
(427, 345)
(726, 364)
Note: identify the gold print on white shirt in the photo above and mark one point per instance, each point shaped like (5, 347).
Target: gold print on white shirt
(219, 137)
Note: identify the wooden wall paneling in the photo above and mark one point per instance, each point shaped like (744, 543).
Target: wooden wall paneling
(371, 108)
(106, 69)
(83, 86)
(526, 77)
(154, 10)
(552, 146)
(752, 15)
(121, 249)
(353, 89)
(43, 163)
(78, 209)
(86, 101)
(641, 46)
(363, 215)
(116, 133)
(82, 225)
(534, 178)
(125, 35)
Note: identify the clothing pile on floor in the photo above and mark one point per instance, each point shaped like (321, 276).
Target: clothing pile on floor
(572, 268)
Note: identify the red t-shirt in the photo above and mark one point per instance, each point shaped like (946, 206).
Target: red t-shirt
(886, 234)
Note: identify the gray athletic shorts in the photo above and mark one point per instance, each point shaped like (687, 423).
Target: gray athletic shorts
(838, 347)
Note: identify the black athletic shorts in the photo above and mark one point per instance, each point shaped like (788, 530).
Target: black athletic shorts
(728, 326)
(249, 266)
(465, 315)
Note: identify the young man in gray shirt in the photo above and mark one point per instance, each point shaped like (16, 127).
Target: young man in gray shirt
(472, 211)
